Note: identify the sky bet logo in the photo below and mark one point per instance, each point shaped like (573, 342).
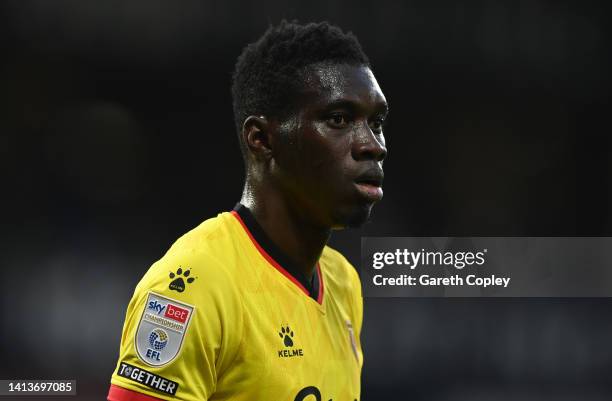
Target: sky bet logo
(157, 307)
(172, 311)
(161, 330)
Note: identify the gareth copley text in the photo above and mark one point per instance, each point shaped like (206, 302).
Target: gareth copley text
(404, 258)
(427, 281)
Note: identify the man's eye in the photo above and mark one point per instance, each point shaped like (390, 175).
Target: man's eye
(377, 124)
(337, 120)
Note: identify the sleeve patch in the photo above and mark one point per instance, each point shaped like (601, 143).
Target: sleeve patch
(147, 378)
(161, 329)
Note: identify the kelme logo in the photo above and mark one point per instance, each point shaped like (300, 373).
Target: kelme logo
(286, 334)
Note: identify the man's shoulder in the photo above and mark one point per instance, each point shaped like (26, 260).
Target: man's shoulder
(199, 259)
(206, 236)
(334, 258)
(338, 270)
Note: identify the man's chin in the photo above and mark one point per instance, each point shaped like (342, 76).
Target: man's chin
(352, 217)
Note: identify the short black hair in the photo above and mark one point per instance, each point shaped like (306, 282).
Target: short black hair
(266, 72)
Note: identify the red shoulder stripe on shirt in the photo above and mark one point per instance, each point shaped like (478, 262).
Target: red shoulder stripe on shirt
(116, 393)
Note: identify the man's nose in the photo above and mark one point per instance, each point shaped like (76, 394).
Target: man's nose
(369, 145)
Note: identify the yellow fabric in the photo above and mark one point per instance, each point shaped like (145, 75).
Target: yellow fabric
(244, 308)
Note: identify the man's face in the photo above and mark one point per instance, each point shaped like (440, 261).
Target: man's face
(330, 152)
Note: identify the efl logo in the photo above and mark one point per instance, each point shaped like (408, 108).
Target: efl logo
(175, 313)
(160, 335)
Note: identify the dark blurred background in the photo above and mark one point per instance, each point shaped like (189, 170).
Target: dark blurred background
(117, 137)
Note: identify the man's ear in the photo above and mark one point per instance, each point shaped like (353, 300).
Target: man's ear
(257, 136)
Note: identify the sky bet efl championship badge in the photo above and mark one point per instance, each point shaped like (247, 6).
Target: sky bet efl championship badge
(161, 329)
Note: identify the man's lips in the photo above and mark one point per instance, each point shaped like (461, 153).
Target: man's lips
(369, 184)
(373, 193)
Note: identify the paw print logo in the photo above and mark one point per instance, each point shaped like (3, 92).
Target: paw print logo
(178, 284)
(286, 334)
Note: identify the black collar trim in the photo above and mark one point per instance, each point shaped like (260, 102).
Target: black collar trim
(280, 259)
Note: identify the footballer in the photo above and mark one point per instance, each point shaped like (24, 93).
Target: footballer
(252, 304)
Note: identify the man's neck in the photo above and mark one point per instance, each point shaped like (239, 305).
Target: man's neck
(300, 240)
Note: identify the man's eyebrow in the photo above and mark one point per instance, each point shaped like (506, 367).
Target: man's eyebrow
(353, 105)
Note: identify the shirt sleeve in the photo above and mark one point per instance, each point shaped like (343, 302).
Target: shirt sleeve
(183, 327)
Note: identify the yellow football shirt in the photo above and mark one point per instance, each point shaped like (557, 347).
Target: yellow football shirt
(224, 316)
